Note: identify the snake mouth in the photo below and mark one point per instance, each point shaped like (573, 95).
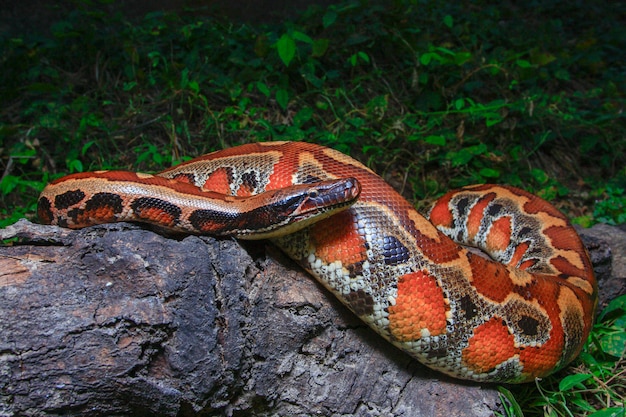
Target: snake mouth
(331, 195)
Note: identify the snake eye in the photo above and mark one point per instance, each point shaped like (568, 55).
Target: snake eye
(314, 194)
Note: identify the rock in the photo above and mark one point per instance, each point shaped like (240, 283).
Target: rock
(119, 320)
(607, 249)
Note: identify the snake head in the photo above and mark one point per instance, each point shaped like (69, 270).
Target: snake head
(293, 208)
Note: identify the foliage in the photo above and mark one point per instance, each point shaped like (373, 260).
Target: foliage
(431, 95)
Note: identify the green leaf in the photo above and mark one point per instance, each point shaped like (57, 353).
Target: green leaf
(479, 149)
(356, 121)
(539, 175)
(302, 37)
(129, 85)
(438, 140)
(354, 58)
(75, 166)
(86, 147)
(184, 78)
(286, 49)
(426, 58)
(320, 46)
(263, 88)
(614, 344)
(492, 119)
(461, 157)
(446, 51)
(282, 98)
(461, 58)
(571, 381)
(329, 18)
(522, 63)
(8, 184)
(512, 402)
(489, 173)
(615, 304)
(194, 86)
(609, 412)
(304, 115)
(448, 21)
(584, 221)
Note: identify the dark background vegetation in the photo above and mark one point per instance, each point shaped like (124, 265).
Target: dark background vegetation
(430, 94)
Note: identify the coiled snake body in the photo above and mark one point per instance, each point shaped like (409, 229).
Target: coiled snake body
(524, 311)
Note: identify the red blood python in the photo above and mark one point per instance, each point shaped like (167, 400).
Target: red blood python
(518, 307)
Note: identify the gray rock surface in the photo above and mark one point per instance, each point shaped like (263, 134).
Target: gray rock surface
(118, 320)
(607, 249)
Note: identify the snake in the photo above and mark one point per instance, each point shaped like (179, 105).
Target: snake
(492, 284)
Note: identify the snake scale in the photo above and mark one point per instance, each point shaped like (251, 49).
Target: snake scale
(494, 286)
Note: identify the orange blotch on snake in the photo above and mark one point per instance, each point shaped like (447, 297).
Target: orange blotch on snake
(529, 263)
(476, 216)
(499, 235)
(187, 178)
(218, 181)
(337, 238)
(103, 214)
(440, 215)
(491, 344)
(565, 267)
(156, 215)
(491, 279)
(562, 237)
(420, 308)
(541, 360)
(518, 255)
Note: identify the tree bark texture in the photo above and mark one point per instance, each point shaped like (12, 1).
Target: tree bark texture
(119, 320)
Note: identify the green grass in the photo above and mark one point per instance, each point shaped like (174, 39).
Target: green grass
(431, 95)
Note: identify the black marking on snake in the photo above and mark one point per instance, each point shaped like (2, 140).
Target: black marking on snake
(394, 252)
(311, 179)
(528, 325)
(494, 209)
(68, 199)
(71, 214)
(437, 353)
(462, 205)
(524, 231)
(62, 221)
(210, 220)
(263, 218)
(361, 302)
(100, 200)
(44, 210)
(142, 203)
(538, 251)
(250, 180)
(468, 306)
(355, 269)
